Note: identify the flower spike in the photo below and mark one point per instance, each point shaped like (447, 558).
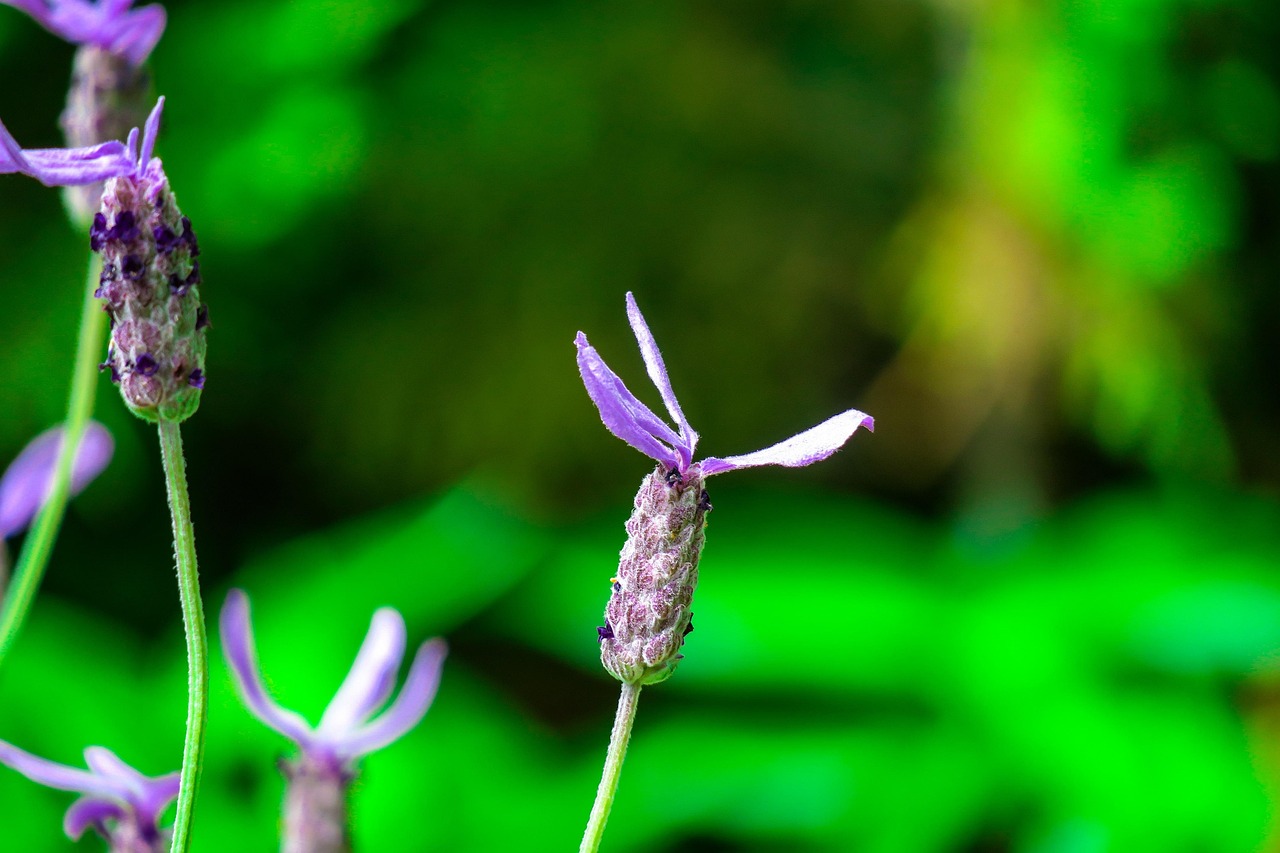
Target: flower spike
(118, 802)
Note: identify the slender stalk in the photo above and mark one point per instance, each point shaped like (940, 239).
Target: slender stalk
(622, 723)
(184, 549)
(38, 546)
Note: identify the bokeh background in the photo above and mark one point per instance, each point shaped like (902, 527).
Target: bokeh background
(1038, 610)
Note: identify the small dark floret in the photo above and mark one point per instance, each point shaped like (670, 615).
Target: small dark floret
(196, 379)
(166, 240)
(605, 631)
(146, 365)
(98, 232)
(126, 228)
(688, 628)
(704, 501)
(132, 267)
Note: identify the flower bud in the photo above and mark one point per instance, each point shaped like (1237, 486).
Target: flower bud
(649, 613)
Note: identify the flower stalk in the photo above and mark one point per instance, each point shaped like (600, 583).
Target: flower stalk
(184, 549)
(622, 723)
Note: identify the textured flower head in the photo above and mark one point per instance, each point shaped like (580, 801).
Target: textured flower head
(26, 482)
(118, 802)
(65, 167)
(346, 731)
(637, 425)
(113, 25)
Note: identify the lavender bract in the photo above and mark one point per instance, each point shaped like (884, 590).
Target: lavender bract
(315, 804)
(649, 615)
(150, 287)
(112, 25)
(118, 802)
(64, 167)
(26, 482)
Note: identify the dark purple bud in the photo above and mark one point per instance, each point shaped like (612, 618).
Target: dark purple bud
(189, 237)
(126, 229)
(146, 365)
(704, 501)
(178, 286)
(689, 628)
(673, 477)
(166, 240)
(202, 317)
(97, 232)
(196, 379)
(605, 631)
(107, 365)
(617, 587)
(132, 267)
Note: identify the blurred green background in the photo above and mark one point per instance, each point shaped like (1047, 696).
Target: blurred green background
(1038, 610)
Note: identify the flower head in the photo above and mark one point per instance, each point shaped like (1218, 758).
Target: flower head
(26, 482)
(112, 25)
(637, 425)
(346, 731)
(65, 167)
(118, 802)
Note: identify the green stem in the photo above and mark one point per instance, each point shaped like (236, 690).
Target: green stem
(622, 723)
(184, 548)
(38, 546)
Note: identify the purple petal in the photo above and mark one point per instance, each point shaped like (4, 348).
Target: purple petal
(371, 679)
(60, 776)
(624, 415)
(25, 485)
(237, 645)
(408, 708)
(136, 35)
(808, 447)
(64, 167)
(89, 812)
(658, 374)
(150, 130)
(108, 24)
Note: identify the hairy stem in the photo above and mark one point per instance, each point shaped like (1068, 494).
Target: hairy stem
(184, 549)
(38, 546)
(622, 723)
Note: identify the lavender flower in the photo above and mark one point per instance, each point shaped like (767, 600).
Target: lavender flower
(26, 482)
(150, 287)
(110, 25)
(64, 167)
(121, 804)
(648, 615)
(315, 804)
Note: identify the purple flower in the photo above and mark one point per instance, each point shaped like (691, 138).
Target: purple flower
(26, 483)
(65, 167)
(346, 731)
(112, 25)
(637, 425)
(118, 802)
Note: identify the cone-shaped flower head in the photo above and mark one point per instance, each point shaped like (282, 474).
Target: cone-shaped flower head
(649, 614)
(150, 287)
(111, 25)
(315, 805)
(64, 167)
(121, 804)
(26, 482)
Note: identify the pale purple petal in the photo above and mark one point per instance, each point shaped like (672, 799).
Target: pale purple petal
(808, 447)
(237, 645)
(89, 812)
(658, 374)
(372, 676)
(623, 414)
(408, 708)
(136, 35)
(109, 24)
(60, 776)
(152, 128)
(26, 483)
(106, 763)
(64, 167)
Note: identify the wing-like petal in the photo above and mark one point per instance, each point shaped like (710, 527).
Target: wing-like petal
(60, 776)
(238, 646)
(658, 374)
(64, 167)
(135, 35)
(372, 676)
(89, 812)
(623, 414)
(408, 708)
(810, 446)
(25, 484)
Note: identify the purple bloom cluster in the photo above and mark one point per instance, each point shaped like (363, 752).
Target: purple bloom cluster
(112, 25)
(118, 802)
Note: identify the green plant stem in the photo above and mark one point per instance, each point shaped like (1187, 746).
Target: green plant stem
(38, 546)
(184, 549)
(622, 723)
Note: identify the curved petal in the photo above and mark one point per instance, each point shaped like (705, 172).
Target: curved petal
(25, 484)
(371, 678)
(658, 374)
(812, 445)
(406, 711)
(237, 645)
(150, 130)
(60, 776)
(137, 33)
(623, 414)
(106, 763)
(64, 167)
(89, 812)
